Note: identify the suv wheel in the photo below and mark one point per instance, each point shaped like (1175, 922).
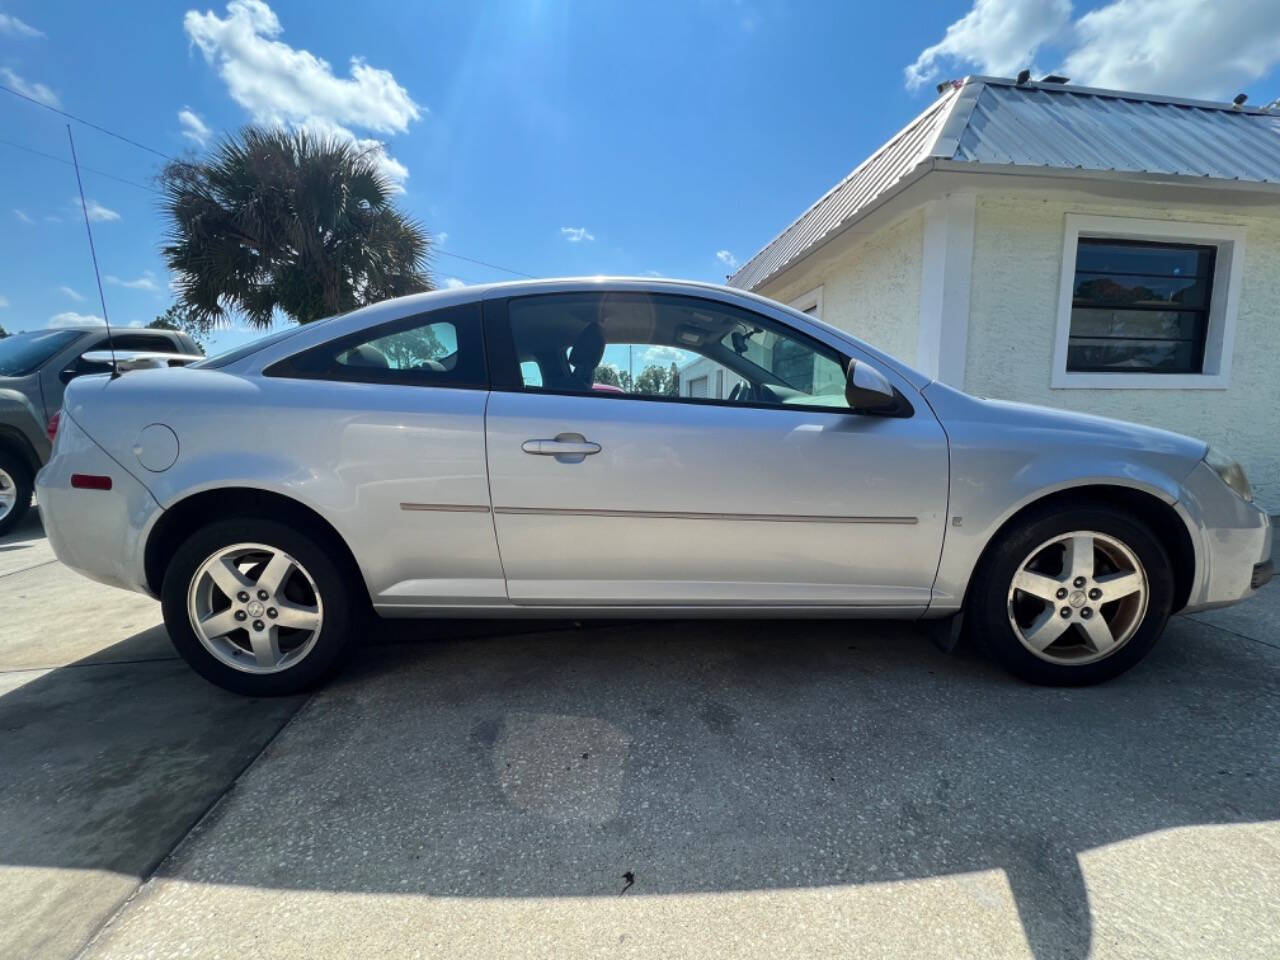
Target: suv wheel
(15, 490)
(257, 607)
(1073, 596)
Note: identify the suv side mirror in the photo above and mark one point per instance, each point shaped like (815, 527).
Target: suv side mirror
(867, 390)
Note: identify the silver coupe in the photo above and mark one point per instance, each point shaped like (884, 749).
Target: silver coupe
(625, 448)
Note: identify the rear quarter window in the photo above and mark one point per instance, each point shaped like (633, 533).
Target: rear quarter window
(441, 348)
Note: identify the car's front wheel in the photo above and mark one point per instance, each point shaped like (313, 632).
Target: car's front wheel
(15, 491)
(1074, 596)
(257, 607)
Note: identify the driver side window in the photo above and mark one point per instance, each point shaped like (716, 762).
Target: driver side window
(668, 347)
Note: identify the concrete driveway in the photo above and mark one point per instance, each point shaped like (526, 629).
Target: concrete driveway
(714, 788)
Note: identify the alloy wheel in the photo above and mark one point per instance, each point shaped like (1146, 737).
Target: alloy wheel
(8, 494)
(1078, 598)
(255, 608)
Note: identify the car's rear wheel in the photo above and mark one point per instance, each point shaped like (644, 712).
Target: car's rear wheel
(15, 491)
(257, 607)
(1072, 597)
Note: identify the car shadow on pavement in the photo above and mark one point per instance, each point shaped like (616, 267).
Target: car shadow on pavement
(691, 756)
(25, 535)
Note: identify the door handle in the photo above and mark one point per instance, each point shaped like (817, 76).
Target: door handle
(566, 447)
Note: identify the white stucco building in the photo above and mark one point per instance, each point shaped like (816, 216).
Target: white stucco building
(1109, 252)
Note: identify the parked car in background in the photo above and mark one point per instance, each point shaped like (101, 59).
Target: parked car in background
(35, 368)
(451, 453)
(24, 447)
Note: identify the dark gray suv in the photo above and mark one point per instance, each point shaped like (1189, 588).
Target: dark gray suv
(35, 368)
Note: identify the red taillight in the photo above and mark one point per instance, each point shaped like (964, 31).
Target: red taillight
(90, 481)
(52, 428)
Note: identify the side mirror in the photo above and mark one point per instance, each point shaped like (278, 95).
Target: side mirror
(867, 390)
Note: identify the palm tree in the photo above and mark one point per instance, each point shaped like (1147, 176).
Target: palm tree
(285, 220)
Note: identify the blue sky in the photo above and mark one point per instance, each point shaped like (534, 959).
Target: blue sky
(544, 136)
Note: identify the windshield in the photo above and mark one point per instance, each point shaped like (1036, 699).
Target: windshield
(23, 353)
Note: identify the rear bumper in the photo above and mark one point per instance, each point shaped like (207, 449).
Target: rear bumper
(98, 533)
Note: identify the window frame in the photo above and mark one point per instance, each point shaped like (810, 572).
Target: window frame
(1224, 300)
(812, 300)
(287, 367)
(505, 376)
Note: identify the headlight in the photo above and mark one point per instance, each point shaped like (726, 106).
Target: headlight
(1231, 472)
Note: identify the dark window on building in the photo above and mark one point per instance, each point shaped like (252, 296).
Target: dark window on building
(1140, 307)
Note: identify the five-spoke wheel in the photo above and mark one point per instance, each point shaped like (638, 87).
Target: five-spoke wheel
(1078, 597)
(255, 608)
(1071, 594)
(261, 607)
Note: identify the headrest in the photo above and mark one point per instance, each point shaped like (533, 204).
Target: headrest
(587, 351)
(365, 356)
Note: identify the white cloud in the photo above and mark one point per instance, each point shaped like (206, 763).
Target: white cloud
(654, 273)
(193, 128)
(1196, 48)
(1193, 48)
(96, 211)
(577, 234)
(22, 215)
(1000, 36)
(71, 319)
(392, 169)
(727, 258)
(36, 91)
(145, 282)
(4, 301)
(14, 27)
(278, 84)
(440, 238)
(662, 356)
(453, 283)
(74, 295)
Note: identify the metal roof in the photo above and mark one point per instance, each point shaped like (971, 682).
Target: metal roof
(989, 122)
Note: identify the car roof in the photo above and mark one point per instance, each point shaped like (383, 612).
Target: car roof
(322, 330)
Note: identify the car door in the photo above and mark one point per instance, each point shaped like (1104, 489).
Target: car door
(615, 480)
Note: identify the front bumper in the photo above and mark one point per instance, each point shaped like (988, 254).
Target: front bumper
(1262, 573)
(1234, 553)
(98, 533)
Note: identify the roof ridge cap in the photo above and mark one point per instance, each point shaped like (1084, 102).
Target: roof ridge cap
(1115, 94)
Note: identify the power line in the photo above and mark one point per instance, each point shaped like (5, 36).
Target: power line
(159, 153)
(101, 173)
(491, 266)
(87, 123)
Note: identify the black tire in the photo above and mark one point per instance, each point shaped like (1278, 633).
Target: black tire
(16, 467)
(342, 604)
(988, 605)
